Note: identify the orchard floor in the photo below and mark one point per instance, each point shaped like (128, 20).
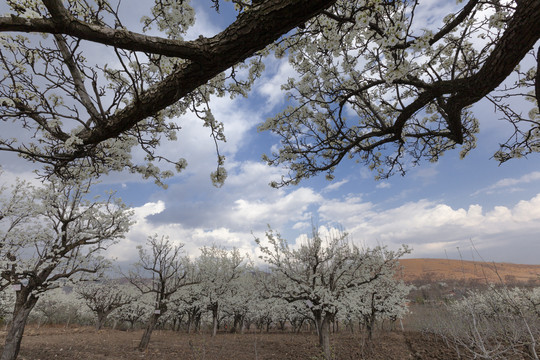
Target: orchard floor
(82, 343)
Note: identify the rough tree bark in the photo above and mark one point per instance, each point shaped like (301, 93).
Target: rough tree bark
(322, 321)
(101, 319)
(214, 308)
(145, 340)
(25, 302)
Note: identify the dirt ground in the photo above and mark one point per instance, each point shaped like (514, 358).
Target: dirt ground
(83, 343)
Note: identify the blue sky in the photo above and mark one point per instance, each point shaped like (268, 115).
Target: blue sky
(435, 208)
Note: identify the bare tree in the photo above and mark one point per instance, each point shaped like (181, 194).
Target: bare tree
(61, 240)
(160, 272)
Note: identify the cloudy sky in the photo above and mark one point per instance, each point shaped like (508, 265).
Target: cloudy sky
(471, 208)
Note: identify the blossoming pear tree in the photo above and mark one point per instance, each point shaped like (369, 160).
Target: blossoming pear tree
(162, 270)
(50, 235)
(242, 297)
(382, 299)
(321, 272)
(77, 110)
(103, 298)
(219, 272)
(134, 312)
(57, 306)
(190, 299)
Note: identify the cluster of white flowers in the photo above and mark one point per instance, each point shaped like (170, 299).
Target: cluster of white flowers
(498, 19)
(72, 142)
(4, 101)
(376, 66)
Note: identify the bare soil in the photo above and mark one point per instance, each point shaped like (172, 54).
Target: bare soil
(84, 343)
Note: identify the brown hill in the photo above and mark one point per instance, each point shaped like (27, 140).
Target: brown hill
(444, 269)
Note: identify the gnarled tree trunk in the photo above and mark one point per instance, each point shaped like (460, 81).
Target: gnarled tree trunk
(145, 340)
(214, 319)
(322, 321)
(23, 306)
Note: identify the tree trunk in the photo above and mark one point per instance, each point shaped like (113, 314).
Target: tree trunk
(370, 324)
(322, 323)
(190, 323)
(101, 318)
(14, 336)
(238, 324)
(145, 340)
(234, 328)
(198, 323)
(324, 336)
(243, 325)
(214, 319)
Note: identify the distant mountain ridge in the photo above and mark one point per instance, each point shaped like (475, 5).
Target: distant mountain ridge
(445, 269)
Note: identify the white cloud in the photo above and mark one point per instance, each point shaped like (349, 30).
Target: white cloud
(510, 183)
(432, 227)
(346, 212)
(365, 173)
(9, 176)
(270, 86)
(291, 207)
(193, 238)
(383, 185)
(426, 173)
(204, 25)
(335, 185)
(126, 249)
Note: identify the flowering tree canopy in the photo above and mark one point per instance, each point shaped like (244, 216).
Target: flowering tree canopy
(103, 298)
(322, 273)
(369, 77)
(50, 235)
(95, 113)
(162, 270)
(219, 271)
(376, 85)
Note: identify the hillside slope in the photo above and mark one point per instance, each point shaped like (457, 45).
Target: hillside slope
(444, 269)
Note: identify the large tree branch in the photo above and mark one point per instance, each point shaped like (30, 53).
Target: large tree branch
(251, 32)
(120, 38)
(289, 14)
(537, 79)
(523, 31)
(78, 81)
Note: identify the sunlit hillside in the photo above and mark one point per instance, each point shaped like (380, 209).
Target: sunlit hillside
(444, 269)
